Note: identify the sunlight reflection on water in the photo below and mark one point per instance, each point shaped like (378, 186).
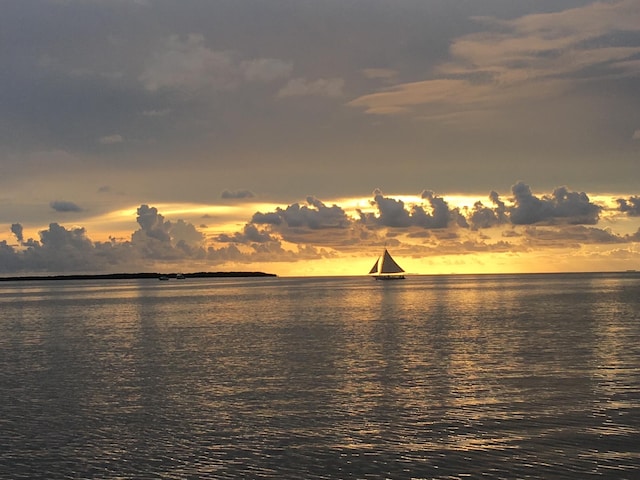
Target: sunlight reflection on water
(436, 377)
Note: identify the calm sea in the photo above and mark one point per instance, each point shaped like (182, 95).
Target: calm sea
(509, 376)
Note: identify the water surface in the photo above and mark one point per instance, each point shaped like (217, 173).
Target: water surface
(509, 376)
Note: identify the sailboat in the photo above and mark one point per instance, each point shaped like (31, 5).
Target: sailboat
(386, 268)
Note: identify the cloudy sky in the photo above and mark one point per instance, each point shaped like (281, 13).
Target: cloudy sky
(300, 137)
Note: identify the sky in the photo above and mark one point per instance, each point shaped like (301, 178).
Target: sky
(301, 137)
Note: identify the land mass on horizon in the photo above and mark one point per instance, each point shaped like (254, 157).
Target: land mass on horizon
(141, 275)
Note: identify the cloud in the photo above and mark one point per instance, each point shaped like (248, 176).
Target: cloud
(323, 87)
(10, 260)
(186, 63)
(440, 215)
(269, 218)
(313, 224)
(562, 206)
(315, 216)
(16, 229)
(636, 135)
(531, 57)
(393, 213)
(401, 98)
(64, 206)
(570, 235)
(57, 236)
(635, 237)
(161, 239)
(380, 73)
(250, 234)
(156, 243)
(630, 206)
(428, 226)
(264, 70)
(111, 139)
(485, 217)
(237, 194)
(62, 250)
(152, 224)
(182, 232)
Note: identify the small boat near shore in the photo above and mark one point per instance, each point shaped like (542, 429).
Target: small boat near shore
(386, 268)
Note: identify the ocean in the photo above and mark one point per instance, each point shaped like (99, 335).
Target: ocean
(438, 377)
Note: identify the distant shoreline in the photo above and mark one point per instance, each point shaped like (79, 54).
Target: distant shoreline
(135, 276)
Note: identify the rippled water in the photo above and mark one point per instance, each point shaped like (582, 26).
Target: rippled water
(527, 376)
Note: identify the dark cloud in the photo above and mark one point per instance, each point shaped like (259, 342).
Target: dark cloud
(158, 238)
(152, 224)
(270, 218)
(315, 216)
(58, 237)
(441, 213)
(16, 229)
(486, 217)
(528, 208)
(630, 206)
(575, 207)
(250, 234)
(10, 260)
(237, 194)
(157, 243)
(428, 227)
(563, 206)
(393, 213)
(63, 206)
(64, 250)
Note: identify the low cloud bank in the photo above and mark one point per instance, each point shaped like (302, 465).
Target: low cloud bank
(315, 230)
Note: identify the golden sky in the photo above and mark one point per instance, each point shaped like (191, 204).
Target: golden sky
(427, 233)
